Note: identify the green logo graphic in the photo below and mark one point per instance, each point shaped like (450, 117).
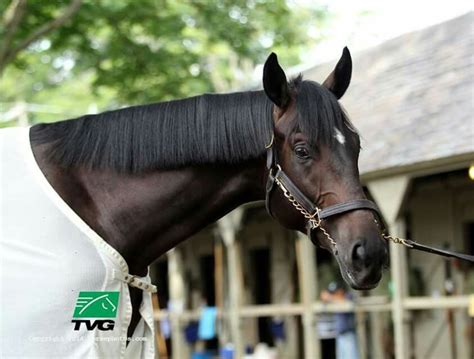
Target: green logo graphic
(96, 305)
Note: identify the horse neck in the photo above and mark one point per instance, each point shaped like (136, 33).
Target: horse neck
(143, 216)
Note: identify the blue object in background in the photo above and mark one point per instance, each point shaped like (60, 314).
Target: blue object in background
(278, 329)
(227, 352)
(165, 328)
(191, 332)
(201, 355)
(207, 323)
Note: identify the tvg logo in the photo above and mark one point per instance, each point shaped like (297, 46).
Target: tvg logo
(96, 305)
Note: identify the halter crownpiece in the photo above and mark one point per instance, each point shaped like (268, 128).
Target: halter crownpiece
(314, 215)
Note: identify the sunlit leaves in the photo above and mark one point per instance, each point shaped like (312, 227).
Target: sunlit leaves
(150, 50)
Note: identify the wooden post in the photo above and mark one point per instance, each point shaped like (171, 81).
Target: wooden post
(159, 339)
(228, 227)
(397, 264)
(218, 279)
(308, 286)
(360, 317)
(234, 293)
(376, 321)
(176, 307)
(389, 193)
(282, 261)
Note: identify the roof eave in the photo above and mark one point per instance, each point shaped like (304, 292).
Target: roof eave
(424, 168)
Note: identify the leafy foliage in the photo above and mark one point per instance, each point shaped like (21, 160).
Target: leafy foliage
(151, 50)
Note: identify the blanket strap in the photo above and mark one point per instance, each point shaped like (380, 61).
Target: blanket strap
(135, 281)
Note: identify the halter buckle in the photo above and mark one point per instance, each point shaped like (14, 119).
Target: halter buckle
(271, 142)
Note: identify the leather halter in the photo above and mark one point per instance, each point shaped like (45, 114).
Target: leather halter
(276, 174)
(315, 214)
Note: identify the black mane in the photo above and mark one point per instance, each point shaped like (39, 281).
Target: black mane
(224, 128)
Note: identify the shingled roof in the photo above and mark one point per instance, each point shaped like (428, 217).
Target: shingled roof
(412, 97)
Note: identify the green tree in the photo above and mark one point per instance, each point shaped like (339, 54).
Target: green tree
(148, 50)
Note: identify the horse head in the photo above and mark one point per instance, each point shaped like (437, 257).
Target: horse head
(318, 149)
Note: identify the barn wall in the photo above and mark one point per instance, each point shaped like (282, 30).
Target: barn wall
(437, 210)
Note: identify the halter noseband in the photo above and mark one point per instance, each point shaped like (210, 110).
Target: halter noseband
(312, 213)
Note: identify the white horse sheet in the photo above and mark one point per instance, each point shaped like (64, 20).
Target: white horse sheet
(63, 289)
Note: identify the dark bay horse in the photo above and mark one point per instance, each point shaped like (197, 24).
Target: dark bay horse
(145, 178)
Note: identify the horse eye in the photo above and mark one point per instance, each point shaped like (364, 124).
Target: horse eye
(302, 152)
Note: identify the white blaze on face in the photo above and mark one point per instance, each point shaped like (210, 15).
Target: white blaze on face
(339, 136)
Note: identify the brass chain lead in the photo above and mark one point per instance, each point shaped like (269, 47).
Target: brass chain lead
(397, 240)
(391, 238)
(313, 219)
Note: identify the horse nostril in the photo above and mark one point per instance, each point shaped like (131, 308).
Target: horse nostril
(359, 253)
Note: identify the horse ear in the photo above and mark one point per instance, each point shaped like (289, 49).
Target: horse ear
(338, 81)
(274, 82)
